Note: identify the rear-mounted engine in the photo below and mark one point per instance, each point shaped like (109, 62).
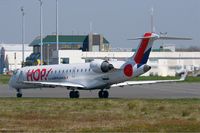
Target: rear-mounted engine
(101, 66)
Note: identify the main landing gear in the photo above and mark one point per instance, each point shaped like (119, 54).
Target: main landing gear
(74, 94)
(103, 94)
(19, 93)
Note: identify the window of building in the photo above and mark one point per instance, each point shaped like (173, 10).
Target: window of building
(64, 60)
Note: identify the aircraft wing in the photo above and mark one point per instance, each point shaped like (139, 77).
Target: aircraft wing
(130, 83)
(63, 84)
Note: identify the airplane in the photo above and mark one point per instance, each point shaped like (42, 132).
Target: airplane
(98, 74)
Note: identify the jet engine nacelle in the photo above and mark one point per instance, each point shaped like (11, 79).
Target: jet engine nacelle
(142, 69)
(100, 66)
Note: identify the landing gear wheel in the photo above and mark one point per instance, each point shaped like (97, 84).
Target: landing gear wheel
(103, 94)
(74, 94)
(71, 94)
(77, 94)
(19, 95)
(100, 94)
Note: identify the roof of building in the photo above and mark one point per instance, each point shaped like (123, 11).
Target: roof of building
(15, 47)
(63, 39)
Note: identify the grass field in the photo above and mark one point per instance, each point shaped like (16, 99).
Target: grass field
(4, 79)
(99, 115)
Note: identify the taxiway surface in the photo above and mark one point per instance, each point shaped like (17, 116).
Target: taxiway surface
(154, 91)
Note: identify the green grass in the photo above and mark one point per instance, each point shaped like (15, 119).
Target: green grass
(99, 115)
(4, 79)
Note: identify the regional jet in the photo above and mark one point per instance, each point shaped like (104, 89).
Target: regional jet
(98, 74)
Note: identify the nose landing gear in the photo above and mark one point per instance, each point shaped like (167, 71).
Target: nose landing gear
(19, 93)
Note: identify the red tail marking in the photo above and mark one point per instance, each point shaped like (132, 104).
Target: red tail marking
(142, 47)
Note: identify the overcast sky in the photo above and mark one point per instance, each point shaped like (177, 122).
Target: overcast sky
(117, 20)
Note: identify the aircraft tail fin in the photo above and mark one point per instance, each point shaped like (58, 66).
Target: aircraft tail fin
(141, 56)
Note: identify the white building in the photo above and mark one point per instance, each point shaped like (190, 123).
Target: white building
(13, 53)
(162, 63)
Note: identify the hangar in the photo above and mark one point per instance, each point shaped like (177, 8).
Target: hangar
(90, 42)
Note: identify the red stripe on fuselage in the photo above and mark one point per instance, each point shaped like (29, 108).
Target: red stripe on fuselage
(142, 48)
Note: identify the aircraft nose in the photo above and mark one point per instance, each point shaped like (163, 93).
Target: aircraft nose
(11, 81)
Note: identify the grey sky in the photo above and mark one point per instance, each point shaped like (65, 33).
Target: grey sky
(117, 20)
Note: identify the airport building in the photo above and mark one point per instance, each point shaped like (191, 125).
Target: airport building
(11, 56)
(84, 48)
(162, 63)
(90, 42)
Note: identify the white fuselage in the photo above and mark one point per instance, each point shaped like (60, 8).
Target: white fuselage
(81, 74)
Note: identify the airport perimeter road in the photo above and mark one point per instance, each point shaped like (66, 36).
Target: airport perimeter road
(166, 90)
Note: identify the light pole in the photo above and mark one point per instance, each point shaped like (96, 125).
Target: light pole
(41, 41)
(152, 20)
(57, 39)
(23, 38)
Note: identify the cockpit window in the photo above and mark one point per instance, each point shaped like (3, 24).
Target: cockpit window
(15, 71)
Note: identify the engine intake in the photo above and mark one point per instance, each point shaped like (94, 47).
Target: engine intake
(101, 66)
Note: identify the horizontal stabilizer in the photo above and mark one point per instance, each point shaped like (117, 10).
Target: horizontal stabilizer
(174, 38)
(139, 38)
(158, 37)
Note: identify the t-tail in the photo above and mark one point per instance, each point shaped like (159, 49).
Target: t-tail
(141, 56)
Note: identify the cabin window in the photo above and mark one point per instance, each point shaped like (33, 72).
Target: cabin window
(55, 71)
(81, 70)
(69, 70)
(63, 71)
(77, 70)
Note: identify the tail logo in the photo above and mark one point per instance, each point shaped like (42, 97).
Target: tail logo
(128, 70)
